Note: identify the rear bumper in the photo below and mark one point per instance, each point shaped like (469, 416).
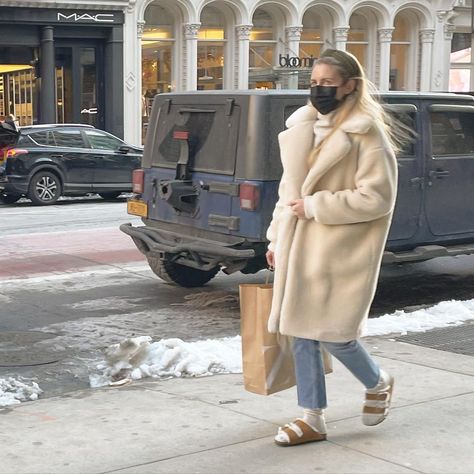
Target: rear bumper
(12, 186)
(158, 242)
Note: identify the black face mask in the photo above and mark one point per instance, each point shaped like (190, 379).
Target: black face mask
(324, 99)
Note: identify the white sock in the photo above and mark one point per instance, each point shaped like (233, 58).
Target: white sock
(382, 384)
(315, 419)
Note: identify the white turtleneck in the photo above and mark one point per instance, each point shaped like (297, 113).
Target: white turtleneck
(322, 127)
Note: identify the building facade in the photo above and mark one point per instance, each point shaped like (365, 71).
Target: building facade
(62, 62)
(102, 62)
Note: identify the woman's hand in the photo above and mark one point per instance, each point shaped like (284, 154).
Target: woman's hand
(270, 258)
(297, 207)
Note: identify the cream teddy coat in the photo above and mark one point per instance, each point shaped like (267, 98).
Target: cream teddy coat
(327, 264)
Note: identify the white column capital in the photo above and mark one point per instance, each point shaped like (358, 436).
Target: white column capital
(448, 31)
(140, 28)
(293, 33)
(243, 32)
(341, 33)
(191, 30)
(385, 34)
(427, 35)
(131, 5)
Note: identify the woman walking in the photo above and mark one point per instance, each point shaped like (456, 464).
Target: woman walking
(327, 237)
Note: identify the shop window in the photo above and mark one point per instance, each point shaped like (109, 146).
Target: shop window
(17, 84)
(158, 50)
(461, 63)
(357, 38)
(262, 51)
(211, 50)
(400, 55)
(311, 45)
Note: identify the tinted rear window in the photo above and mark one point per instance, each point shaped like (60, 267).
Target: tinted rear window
(452, 133)
(213, 132)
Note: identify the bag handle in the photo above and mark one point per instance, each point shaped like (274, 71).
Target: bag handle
(268, 272)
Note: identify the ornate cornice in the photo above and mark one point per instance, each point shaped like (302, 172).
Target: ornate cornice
(293, 33)
(191, 30)
(243, 32)
(341, 33)
(427, 35)
(448, 31)
(385, 34)
(131, 5)
(140, 28)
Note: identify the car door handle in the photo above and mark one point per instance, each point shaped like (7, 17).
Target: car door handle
(438, 174)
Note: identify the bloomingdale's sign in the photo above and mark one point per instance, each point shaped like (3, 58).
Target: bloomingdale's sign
(285, 60)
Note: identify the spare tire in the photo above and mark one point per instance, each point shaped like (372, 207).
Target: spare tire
(181, 275)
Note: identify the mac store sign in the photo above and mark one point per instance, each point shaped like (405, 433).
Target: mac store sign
(71, 63)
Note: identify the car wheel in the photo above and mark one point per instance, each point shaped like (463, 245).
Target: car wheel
(44, 188)
(181, 275)
(110, 196)
(9, 198)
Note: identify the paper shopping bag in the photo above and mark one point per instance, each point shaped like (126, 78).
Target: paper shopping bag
(267, 359)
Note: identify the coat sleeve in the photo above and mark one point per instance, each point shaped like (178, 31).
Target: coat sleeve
(373, 195)
(272, 230)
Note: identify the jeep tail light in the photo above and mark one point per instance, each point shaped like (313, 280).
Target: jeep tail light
(249, 196)
(14, 152)
(181, 135)
(138, 177)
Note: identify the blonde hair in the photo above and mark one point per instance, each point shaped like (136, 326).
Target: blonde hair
(362, 98)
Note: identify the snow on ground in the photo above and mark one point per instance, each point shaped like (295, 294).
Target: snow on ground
(13, 392)
(446, 313)
(139, 357)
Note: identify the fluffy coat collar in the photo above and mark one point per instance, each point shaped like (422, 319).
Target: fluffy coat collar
(298, 140)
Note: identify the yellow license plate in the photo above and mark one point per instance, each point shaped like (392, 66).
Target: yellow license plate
(137, 208)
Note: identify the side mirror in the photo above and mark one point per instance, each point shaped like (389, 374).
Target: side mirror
(123, 149)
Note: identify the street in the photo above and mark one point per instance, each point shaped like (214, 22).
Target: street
(71, 284)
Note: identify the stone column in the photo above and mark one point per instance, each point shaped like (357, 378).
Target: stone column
(340, 37)
(132, 90)
(426, 38)
(47, 112)
(442, 45)
(113, 70)
(293, 37)
(191, 31)
(243, 40)
(385, 37)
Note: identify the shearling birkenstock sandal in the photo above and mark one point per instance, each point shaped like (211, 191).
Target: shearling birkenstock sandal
(296, 433)
(377, 404)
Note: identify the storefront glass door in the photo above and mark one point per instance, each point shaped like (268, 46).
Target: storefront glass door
(79, 89)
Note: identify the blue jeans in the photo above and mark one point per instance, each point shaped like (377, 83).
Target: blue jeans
(310, 379)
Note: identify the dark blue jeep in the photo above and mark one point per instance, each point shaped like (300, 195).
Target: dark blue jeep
(211, 167)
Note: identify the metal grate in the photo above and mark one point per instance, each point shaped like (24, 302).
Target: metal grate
(458, 339)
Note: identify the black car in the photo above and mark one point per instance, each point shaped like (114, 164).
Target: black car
(44, 162)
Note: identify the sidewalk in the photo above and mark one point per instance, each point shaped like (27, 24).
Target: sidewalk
(211, 425)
